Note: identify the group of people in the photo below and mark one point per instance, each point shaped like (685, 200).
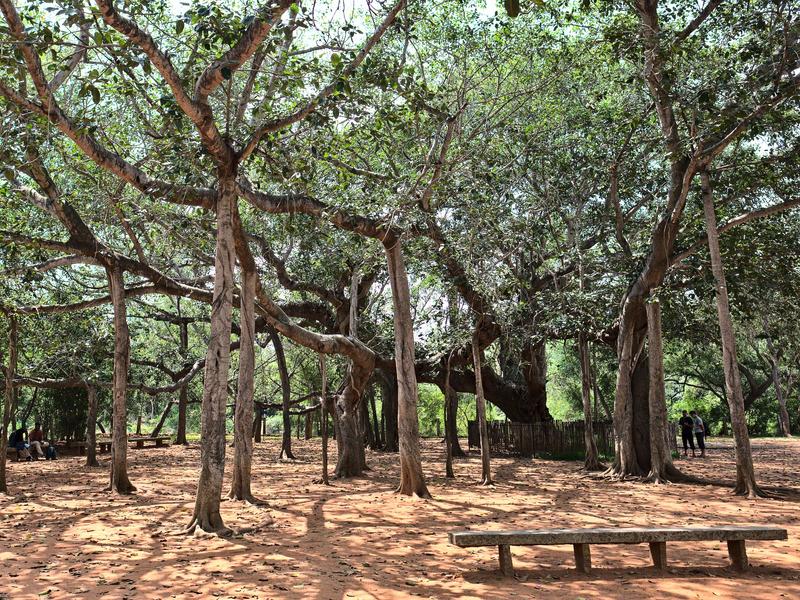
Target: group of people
(31, 446)
(692, 427)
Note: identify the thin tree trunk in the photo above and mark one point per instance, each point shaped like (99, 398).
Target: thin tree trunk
(375, 426)
(119, 417)
(309, 431)
(480, 410)
(139, 424)
(323, 370)
(784, 427)
(183, 394)
(206, 514)
(29, 409)
(449, 392)
(164, 414)
(745, 472)
(257, 426)
(11, 370)
(592, 460)
(412, 479)
(243, 412)
(661, 467)
(91, 427)
(391, 441)
(280, 357)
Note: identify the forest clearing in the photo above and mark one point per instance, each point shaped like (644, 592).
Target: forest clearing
(356, 539)
(383, 298)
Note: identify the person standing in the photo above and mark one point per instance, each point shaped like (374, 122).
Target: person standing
(699, 433)
(687, 427)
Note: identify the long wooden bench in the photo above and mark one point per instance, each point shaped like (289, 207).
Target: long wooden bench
(157, 441)
(581, 539)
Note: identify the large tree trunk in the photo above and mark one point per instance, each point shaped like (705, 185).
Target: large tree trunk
(592, 460)
(480, 410)
(243, 415)
(286, 443)
(215, 385)
(661, 468)
(91, 427)
(183, 394)
(352, 460)
(412, 479)
(119, 430)
(8, 397)
(745, 472)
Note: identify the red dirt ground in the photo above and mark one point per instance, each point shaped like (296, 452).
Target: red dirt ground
(61, 536)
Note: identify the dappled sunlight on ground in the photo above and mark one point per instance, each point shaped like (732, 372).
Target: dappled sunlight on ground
(64, 537)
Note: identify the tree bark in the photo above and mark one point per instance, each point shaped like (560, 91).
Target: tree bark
(661, 467)
(412, 479)
(352, 460)
(119, 426)
(243, 412)
(280, 357)
(11, 370)
(480, 409)
(215, 386)
(745, 472)
(91, 427)
(591, 461)
(183, 394)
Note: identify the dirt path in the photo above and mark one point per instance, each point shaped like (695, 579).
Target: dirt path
(61, 536)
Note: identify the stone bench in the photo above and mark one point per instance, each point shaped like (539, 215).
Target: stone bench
(581, 539)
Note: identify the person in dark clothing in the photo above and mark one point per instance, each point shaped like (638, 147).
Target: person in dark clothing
(19, 441)
(687, 426)
(699, 432)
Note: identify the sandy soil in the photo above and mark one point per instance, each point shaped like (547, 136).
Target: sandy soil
(61, 536)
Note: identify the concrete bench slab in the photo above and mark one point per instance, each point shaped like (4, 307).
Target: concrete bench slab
(581, 539)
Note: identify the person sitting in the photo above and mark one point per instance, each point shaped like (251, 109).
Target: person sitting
(18, 441)
(36, 441)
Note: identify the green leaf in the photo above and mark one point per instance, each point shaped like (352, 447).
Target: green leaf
(179, 25)
(95, 94)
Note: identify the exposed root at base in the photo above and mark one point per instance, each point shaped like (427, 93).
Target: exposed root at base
(421, 493)
(320, 481)
(205, 529)
(248, 499)
(754, 492)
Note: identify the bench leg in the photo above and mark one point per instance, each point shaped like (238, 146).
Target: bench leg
(738, 555)
(658, 550)
(583, 557)
(506, 564)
